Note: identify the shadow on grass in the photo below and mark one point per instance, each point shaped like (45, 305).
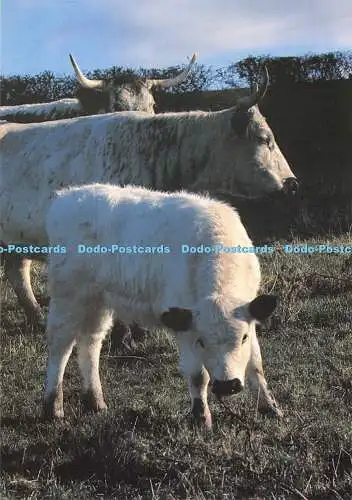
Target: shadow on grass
(103, 453)
(15, 422)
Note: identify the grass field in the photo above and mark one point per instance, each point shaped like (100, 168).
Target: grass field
(146, 447)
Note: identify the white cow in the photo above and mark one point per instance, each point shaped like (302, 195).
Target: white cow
(41, 112)
(209, 300)
(95, 97)
(233, 150)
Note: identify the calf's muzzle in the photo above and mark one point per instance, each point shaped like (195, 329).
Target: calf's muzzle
(291, 185)
(227, 387)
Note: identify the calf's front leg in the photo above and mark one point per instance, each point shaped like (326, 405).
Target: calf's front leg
(192, 367)
(198, 386)
(257, 383)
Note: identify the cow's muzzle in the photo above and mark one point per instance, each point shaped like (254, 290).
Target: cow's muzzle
(223, 388)
(291, 185)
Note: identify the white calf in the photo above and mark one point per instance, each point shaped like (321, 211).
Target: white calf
(209, 300)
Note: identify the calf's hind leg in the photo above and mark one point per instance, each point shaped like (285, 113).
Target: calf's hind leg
(70, 322)
(89, 344)
(61, 339)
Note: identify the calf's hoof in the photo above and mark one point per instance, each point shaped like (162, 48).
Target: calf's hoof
(52, 408)
(201, 414)
(94, 402)
(272, 411)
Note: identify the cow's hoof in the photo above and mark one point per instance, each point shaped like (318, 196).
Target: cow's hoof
(121, 338)
(37, 322)
(44, 301)
(128, 344)
(124, 346)
(41, 325)
(138, 332)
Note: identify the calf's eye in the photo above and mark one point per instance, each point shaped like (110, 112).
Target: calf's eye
(266, 140)
(200, 343)
(245, 337)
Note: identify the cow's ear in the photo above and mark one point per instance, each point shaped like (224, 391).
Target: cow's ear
(239, 121)
(177, 319)
(262, 307)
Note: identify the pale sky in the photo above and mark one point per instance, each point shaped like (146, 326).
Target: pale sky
(37, 35)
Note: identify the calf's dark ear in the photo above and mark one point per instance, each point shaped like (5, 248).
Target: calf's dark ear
(262, 306)
(177, 319)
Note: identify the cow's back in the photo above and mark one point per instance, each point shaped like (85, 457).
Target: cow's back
(42, 112)
(37, 159)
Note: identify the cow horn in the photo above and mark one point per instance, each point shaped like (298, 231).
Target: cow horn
(171, 82)
(257, 94)
(83, 80)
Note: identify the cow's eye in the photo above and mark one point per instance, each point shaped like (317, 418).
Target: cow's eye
(200, 343)
(245, 337)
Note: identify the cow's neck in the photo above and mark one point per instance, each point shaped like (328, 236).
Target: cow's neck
(187, 150)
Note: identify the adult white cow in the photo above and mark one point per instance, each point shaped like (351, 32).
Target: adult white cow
(97, 96)
(94, 97)
(209, 300)
(233, 150)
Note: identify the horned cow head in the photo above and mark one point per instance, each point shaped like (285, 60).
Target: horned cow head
(109, 95)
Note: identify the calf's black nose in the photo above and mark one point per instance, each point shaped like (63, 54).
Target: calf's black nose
(227, 387)
(291, 185)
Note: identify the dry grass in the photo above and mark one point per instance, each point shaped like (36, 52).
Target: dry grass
(145, 447)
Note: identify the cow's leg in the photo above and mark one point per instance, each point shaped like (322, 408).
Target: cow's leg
(17, 271)
(45, 299)
(121, 336)
(138, 332)
(89, 345)
(198, 385)
(125, 337)
(257, 383)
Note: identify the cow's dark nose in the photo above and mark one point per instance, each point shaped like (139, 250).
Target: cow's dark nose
(291, 185)
(227, 387)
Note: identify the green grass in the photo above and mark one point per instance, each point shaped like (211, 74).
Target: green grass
(146, 446)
